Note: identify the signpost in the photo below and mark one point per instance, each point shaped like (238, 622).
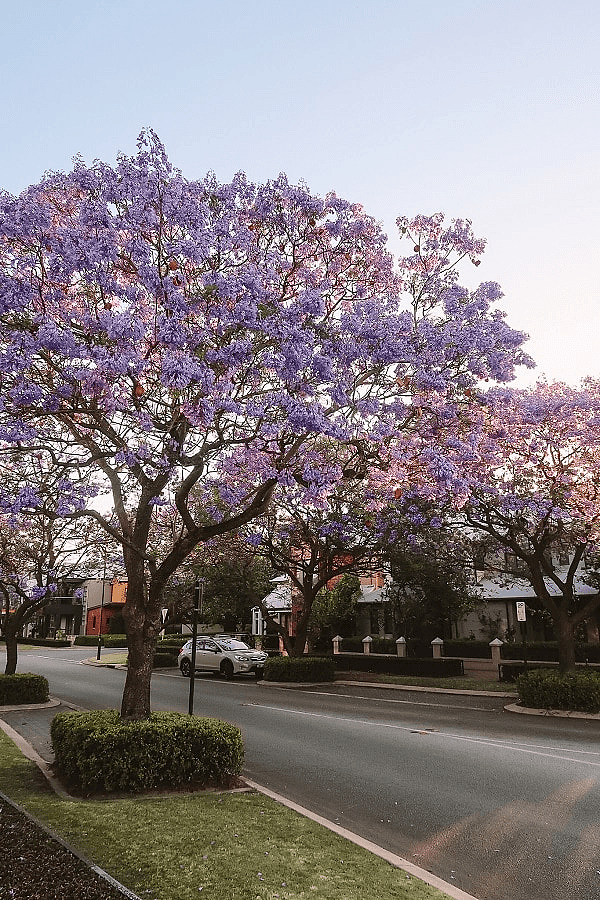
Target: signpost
(522, 618)
(198, 594)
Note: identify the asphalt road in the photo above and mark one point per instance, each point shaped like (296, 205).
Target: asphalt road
(507, 807)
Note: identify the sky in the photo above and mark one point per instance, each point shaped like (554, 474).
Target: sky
(481, 109)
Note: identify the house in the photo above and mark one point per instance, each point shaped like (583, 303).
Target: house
(80, 606)
(501, 589)
(63, 614)
(374, 615)
(102, 599)
(498, 583)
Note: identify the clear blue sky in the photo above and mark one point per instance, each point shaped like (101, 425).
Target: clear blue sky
(484, 109)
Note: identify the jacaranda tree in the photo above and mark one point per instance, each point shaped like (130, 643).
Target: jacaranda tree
(40, 543)
(521, 470)
(178, 334)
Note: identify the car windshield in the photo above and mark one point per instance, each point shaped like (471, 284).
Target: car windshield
(232, 644)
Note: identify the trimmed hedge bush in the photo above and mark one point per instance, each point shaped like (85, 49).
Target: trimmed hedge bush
(176, 641)
(163, 660)
(547, 651)
(299, 668)
(468, 649)
(23, 688)
(549, 689)
(97, 752)
(43, 642)
(396, 665)
(378, 645)
(108, 640)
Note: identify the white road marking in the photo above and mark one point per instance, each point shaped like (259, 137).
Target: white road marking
(548, 752)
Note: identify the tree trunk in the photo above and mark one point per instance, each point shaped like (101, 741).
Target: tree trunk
(566, 642)
(301, 621)
(142, 617)
(10, 636)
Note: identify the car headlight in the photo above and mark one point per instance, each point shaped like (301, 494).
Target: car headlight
(242, 658)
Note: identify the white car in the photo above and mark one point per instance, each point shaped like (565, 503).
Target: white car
(222, 654)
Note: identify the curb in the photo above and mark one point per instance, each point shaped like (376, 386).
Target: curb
(428, 690)
(555, 713)
(47, 705)
(28, 751)
(397, 861)
(386, 686)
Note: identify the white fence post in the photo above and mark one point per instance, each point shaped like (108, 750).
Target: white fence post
(401, 647)
(366, 642)
(437, 645)
(495, 646)
(337, 643)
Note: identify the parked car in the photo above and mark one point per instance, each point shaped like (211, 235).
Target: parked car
(222, 654)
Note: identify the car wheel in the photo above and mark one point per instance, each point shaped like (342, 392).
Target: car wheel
(186, 668)
(227, 669)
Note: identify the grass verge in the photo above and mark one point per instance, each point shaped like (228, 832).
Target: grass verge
(227, 846)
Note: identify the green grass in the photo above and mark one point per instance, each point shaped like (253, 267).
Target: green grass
(230, 846)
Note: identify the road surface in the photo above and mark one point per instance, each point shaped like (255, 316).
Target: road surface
(506, 807)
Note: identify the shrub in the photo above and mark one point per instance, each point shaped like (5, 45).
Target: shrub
(470, 649)
(165, 660)
(378, 645)
(23, 688)
(44, 642)
(108, 640)
(97, 752)
(396, 665)
(117, 624)
(172, 642)
(550, 689)
(299, 668)
(547, 651)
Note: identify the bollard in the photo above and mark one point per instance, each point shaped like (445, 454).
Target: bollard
(337, 643)
(366, 642)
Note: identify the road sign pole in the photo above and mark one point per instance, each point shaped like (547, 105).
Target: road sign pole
(522, 618)
(198, 592)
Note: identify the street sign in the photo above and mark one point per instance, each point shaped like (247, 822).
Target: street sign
(521, 615)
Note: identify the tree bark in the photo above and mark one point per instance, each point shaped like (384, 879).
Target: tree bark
(566, 642)
(141, 614)
(10, 636)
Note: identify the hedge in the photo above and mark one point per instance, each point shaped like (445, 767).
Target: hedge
(547, 651)
(468, 649)
(171, 642)
(23, 688)
(396, 665)
(43, 642)
(96, 752)
(299, 668)
(163, 660)
(108, 640)
(549, 689)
